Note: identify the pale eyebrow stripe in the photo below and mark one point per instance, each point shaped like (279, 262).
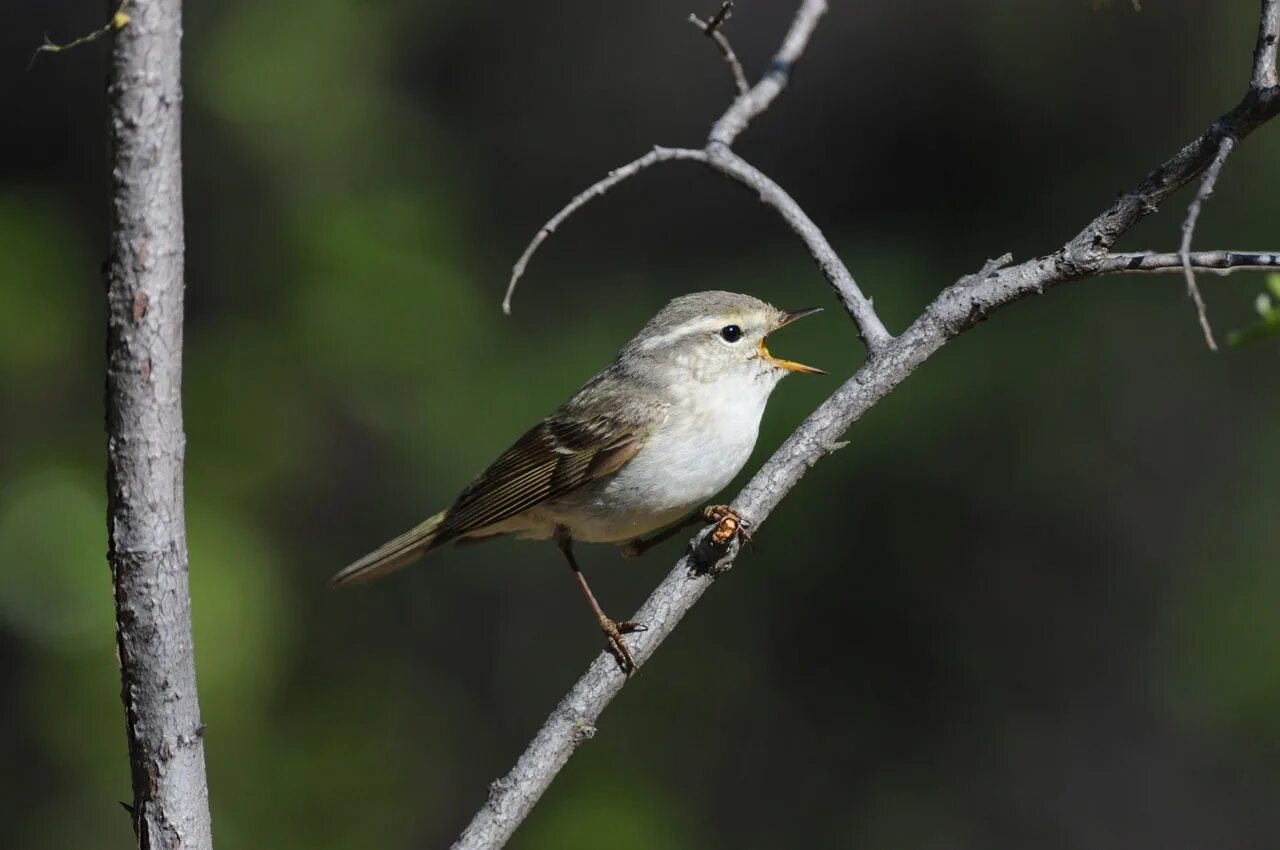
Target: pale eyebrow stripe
(702, 323)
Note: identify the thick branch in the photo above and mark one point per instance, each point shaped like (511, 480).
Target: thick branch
(1087, 251)
(958, 308)
(1264, 52)
(145, 441)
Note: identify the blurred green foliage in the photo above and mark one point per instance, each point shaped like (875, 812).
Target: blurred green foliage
(41, 316)
(1267, 304)
(1032, 603)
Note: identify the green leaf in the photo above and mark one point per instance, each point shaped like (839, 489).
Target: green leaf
(1273, 283)
(1268, 326)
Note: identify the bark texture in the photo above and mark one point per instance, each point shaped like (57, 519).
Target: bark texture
(145, 440)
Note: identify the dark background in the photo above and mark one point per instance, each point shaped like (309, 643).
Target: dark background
(1032, 604)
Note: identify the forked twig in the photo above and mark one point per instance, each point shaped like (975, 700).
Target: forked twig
(717, 155)
(711, 29)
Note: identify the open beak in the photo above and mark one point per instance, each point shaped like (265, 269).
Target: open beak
(790, 365)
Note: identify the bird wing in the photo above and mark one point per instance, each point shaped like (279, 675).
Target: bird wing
(554, 458)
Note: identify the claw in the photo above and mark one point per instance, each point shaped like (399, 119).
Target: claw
(728, 524)
(613, 632)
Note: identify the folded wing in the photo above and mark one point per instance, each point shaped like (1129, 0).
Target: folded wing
(551, 460)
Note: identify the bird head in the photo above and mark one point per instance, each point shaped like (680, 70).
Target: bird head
(713, 334)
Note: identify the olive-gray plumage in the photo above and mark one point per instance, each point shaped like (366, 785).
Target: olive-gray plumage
(654, 434)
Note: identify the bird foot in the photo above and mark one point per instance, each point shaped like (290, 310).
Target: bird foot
(728, 524)
(613, 632)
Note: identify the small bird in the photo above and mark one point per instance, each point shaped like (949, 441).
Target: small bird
(651, 437)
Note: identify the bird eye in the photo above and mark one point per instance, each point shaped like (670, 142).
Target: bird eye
(731, 333)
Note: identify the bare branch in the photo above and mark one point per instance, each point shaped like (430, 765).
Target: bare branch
(717, 155)
(757, 99)
(711, 29)
(1088, 250)
(614, 177)
(1264, 53)
(145, 443)
(1204, 262)
(1189, 228)
(717, 20)
(870, 328)
(957, 308)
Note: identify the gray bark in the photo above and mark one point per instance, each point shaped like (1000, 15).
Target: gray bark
(891, 359)
(145, 440)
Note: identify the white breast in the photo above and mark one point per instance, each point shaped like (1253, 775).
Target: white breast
(704, 442)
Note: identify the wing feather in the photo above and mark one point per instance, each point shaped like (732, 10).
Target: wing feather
(551, 460)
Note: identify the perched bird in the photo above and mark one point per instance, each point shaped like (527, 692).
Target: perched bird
(654, 435)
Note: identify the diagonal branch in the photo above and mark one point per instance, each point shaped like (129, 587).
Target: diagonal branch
(870, 328)
(956, 309)
(1189, 229)
(1264, 52)
(1086, 252)
(757, 100)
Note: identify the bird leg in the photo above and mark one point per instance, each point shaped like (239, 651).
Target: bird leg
(636, 548)
(725, 518)
(613, 632)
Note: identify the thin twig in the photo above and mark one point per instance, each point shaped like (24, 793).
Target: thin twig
(119, 20)
(718, 156)
(1204, 262)
(870, 328)
(711, 29)
(1189, 229)
(614, 177)
(757, 99)
(957, 308)
(722, 14)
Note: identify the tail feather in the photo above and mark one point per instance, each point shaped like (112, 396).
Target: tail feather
(393, 555)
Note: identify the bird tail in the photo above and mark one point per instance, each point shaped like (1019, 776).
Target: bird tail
(393, 555)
